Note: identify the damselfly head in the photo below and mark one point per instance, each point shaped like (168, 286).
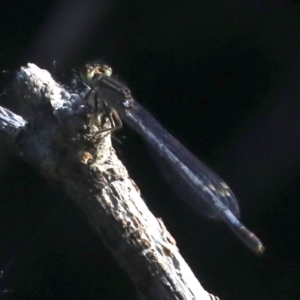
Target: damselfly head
(92, 71)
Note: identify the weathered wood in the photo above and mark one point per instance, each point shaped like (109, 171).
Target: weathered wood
(57, 139)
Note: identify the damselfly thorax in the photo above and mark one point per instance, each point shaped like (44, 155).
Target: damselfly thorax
(91, 74)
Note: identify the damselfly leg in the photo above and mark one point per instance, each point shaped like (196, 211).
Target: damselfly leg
(93, 98)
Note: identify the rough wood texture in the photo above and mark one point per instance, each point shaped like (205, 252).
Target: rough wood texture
(56, 138)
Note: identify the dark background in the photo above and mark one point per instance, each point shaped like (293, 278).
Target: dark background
(223, 77)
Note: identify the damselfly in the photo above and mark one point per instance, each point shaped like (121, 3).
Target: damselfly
(194, 182)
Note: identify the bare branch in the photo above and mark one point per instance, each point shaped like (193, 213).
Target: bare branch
(57, 139)
(10, 123)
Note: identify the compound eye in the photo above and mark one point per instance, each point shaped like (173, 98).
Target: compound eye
(107, 70)
(88, 73)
